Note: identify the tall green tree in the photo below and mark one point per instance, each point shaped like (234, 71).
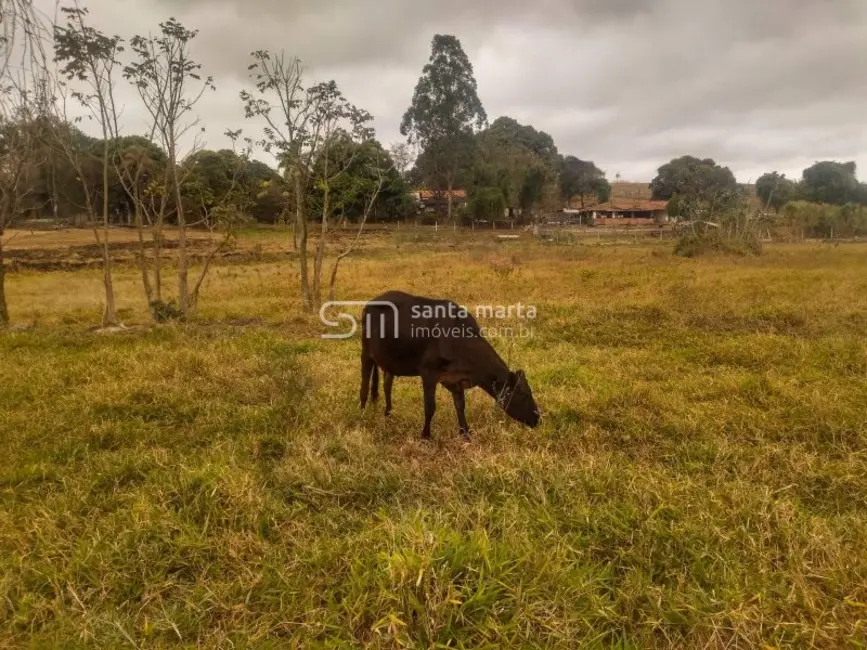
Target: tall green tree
(213, 180)
(487, 203)
(366, 164)
(775, 190)
(368, 171)
(59, 190)
(208, 175)
(696, 187)
(507, 131)
(445, 113)
(582, 178)
(831, 182)
(217, 194)
(519, 161)
(139, 163)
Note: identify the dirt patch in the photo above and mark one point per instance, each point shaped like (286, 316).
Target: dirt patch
(90, 256)
(76, 249)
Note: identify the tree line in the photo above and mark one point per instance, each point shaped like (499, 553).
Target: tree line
(508, 169)
(330, 168)
(58, 188)
(827, 201)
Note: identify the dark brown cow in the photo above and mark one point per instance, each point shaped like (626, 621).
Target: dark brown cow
(439, 342)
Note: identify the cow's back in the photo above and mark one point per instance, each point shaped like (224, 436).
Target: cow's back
(401, 330)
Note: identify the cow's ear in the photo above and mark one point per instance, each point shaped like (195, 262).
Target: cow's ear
(521, 375)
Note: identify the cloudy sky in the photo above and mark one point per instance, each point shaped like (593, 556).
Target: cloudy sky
(756, 84)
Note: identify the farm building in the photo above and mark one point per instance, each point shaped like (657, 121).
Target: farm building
(437, 201)
(628, 212)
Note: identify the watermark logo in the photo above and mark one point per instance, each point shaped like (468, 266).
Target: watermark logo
(352, 321)
(444, 320)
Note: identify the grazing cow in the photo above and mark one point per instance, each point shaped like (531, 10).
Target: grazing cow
(439, 342)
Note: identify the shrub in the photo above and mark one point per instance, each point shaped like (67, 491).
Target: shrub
(487, 203)
(165, 311)
(826, 221)
(713, 241)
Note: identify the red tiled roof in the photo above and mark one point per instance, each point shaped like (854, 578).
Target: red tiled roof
(430, 195)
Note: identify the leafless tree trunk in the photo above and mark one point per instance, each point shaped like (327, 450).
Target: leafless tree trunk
(142, 256)
(158, 239)
(194, 295)
(450, 185)
(4, 309)
(319, 257)
(109, 317)
(323, 237)
(302, 232)
(346, 253)
(183, 273)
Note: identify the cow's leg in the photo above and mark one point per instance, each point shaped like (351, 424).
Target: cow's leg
(367, 367)
(387, 381)
(374, 385)
(460, 407)
(429, 383)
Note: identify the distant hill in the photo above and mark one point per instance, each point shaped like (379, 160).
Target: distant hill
(629, 190)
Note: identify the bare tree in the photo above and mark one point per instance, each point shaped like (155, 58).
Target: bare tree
(23, 74)
(403, 156)
(89, 58)
(334, 118)
(134, 168)
(21, 32)
(170, 85)
(222, 212)
(20, 138)
(380, 172)
(290, 133)
(300, 129)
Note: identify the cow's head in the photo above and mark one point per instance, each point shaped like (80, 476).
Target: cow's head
(516, 399)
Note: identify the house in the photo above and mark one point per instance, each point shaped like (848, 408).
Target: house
(437, 201)
(625, 212)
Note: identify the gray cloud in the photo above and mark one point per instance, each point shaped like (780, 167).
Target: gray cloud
(628, 83)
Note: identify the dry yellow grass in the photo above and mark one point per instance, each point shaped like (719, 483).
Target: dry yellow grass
(698, 479)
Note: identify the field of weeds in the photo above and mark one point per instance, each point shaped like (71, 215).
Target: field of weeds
(698, 480)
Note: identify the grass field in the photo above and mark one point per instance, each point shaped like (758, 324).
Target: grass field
(698, 480)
